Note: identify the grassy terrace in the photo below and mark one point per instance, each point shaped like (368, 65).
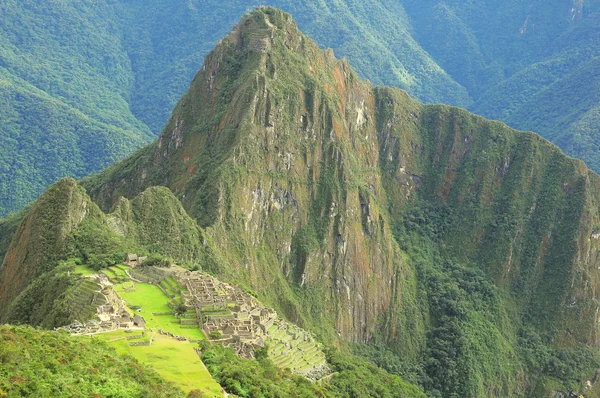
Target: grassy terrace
(152, 300)
(303, 356)
(84, 270)
(174, 360)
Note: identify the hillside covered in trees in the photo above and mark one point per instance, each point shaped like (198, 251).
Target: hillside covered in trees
(86, 83)
(457, 253)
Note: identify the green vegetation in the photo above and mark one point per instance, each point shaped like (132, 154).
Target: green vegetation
(463, 251)
(65, 81)
(260, 378)
(475, 342)
(68, 238)
(98, 246)
(42, 302)
(257, 378)
(49, 364)
(488, 222)
(175, 361)
(85, 85)
(288, 349)
(357, 378)
(534, 66)
(151, 302)
(84, 270)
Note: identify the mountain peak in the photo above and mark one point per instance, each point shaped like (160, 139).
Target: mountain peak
(257, 30)
(361, 214)
(264, 66)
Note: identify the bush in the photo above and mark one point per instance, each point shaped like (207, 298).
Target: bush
(180, 309)
(261, 353)
(156, 260)
(100, 261)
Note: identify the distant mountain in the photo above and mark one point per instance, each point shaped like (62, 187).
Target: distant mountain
(449, 249)
(531, 64)
(86, 83)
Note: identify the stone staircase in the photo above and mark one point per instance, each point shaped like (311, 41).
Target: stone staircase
(258, 40)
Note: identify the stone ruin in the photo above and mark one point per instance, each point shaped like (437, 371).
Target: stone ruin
(108, 317)
(225, 310)
(240, 319)
(132, 259)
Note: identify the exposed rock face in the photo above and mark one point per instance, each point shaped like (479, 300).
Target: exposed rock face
(298, 170)
(298, 173)
(275, 145)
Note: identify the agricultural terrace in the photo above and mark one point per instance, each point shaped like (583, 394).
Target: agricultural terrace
(174, 360)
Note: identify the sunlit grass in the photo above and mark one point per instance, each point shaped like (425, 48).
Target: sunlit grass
(151, 300)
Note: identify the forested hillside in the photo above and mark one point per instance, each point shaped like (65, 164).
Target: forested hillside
(85, 83)
(531, 64)
(35, 363)
(452, 250)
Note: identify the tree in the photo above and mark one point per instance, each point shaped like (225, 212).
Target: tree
(181, 309)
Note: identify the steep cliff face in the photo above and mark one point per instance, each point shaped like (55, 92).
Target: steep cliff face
(522, 210)
(369, 217)
(274, 150)
(278, 146)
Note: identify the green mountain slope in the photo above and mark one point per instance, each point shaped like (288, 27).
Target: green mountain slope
(462, 250)
(114, 70)
(65, 85)
(351, 208)
(60, 366)
(102, 77)
(530, 64)
(44, 139)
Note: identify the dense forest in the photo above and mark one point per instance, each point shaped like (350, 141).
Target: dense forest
(86, 83)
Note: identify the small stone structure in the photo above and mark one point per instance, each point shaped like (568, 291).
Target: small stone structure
(133, 259)
(139, 321)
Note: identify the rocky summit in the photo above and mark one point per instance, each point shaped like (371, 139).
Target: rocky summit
(448, 249)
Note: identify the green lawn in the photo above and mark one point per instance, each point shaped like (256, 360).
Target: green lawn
(174, 360)
(120, 272)
(109, 274)
(152, 300)
(84, 270)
